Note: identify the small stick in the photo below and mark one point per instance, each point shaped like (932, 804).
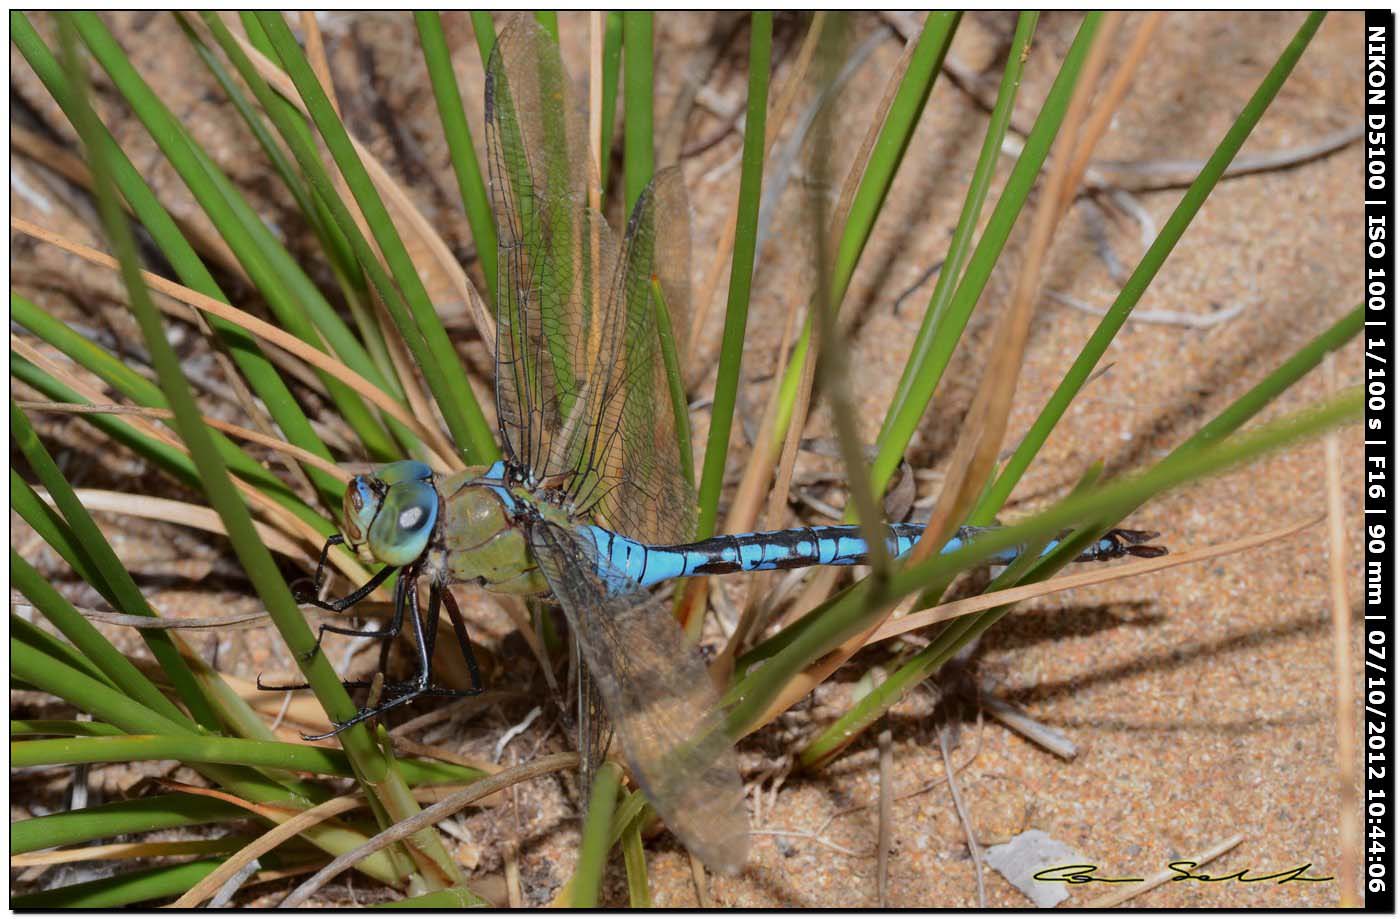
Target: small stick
(1108, 901)
(972, 845)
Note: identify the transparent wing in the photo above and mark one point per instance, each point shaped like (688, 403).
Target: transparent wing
(657, 694)
(580, 390)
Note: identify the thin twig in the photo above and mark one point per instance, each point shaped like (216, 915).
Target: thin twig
(231, 621)
(1108, 901)
(1159, 317)
(973, 846)
(882, 865)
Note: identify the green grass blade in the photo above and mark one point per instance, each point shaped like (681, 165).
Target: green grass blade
(115, 582)
(485, 31)
(49, 727)
(55, 647)
(612, 65)
(1147, 269)
(465, 164)
(119, 818)
(50, 526)
(148, 884)
(451, 898)
(634, 859)
(439, 362)
(638, 114)
(595, 845)
(926, 369)
(740, 276)
(262, 376)
(232, 751)
(93, 645)
(960, 246)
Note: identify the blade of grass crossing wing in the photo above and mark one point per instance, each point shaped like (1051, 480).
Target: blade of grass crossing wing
(612, 65)
(740, 276)
(639, 150)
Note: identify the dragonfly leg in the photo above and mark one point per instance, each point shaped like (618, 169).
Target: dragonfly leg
(348, 684)
(350, 600)
(459, 626)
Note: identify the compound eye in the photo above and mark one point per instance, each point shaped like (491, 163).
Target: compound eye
(404, 524)
(362, 502)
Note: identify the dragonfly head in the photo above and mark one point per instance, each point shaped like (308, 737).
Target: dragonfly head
(389, 514)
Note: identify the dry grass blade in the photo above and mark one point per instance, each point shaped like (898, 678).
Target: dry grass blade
(316, 54)
(899, 626)
(429, 816)
(257, 327)
(161, 414)
(886, 831)
(119, 851)
(1162, 877)
(973, 846)
(274, 512)
(1108, 104)
(266, 843)
(985, 428)
(230, 621)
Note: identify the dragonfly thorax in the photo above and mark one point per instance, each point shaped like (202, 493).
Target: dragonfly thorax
(482, 538)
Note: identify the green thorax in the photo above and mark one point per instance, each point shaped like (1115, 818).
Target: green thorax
(480, 541)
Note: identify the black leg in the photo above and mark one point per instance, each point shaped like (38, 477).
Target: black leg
(459, 626)
(350, 599)
(425, 635)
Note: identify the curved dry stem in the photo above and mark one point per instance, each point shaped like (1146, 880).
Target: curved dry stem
(430, 816)
(266, 843)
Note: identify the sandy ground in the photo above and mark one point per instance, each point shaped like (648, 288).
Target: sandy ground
(1200, 699)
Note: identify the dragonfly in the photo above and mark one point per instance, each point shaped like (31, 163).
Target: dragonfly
(589, 505)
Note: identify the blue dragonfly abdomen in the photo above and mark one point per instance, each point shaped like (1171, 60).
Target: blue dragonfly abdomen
(802, 547)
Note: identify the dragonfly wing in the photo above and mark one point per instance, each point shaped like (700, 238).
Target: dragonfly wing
(645, 495)
(538, 178)
(658, 696)
(580, 390)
